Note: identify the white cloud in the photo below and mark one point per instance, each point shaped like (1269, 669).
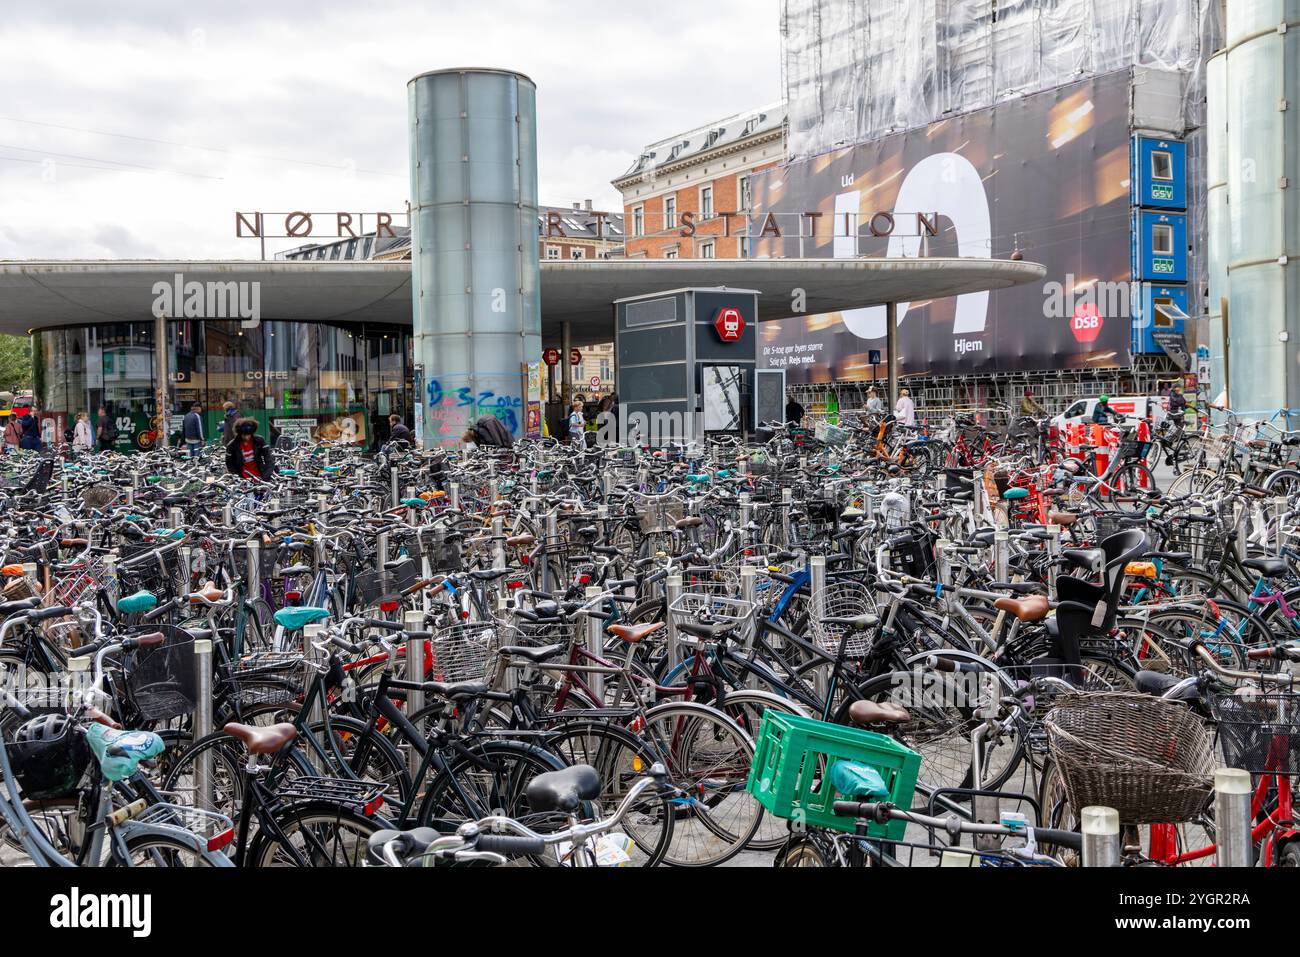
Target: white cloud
(301, 105)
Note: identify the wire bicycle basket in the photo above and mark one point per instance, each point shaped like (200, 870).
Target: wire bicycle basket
(1259, 731)
(843, 599)
(464, 651)
(161, 682)
(694, 606)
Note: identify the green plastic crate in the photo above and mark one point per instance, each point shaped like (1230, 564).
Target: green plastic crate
(793, 756)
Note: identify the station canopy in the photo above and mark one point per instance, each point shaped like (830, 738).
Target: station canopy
(41, 295)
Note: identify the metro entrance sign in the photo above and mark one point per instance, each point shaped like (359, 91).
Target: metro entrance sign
(729, 323)
(551, 357)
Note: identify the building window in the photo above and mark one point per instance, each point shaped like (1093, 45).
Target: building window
(1162, 240)
(743, 245)
(552, 252)
(638, 221)
(706, 250)
(576, 252)
(606, 372)
(706, 202)
(1162, 165)
(670, 211)
(743, 194)
(670, 253)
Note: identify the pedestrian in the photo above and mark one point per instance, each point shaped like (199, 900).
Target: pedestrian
(31, 439)
(106, 431)
(1029, 405)
(1102, 413)
(905, 408)
(489, 433)
(192, 429)
(576, 422)
(1178, 407)
(248, 456)
(13, 429)
(874, 404)
(794, 412)
(83, 437)
(398, 432)
(229, 414)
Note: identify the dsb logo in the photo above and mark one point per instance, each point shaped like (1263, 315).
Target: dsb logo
(1086, 323)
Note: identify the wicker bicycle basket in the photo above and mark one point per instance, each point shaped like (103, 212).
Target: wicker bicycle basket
(1147, 758)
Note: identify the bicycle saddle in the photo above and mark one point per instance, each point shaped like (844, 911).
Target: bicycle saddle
(1015, 494)
(457, 690)
(21, 604)
(863, 713)
(634, 633)
(140, 601)
(856, 623)
(1064, 519)
(294, 618)
(208, 593)
(298, 569)
(705, 629)
(563, 790)
(258, 740)
(119, 753)
(535, 655)
(1030, 608)
(1268, 567)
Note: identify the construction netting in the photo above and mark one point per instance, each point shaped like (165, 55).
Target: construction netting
(855, 70)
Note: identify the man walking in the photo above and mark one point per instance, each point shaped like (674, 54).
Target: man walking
(106, 430)
(192, 429)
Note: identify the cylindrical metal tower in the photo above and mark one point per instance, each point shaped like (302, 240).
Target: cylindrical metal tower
(1262, 109)
(1216, 200)
(474, 269)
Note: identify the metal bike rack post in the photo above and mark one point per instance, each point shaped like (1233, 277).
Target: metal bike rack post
(392, 486)
(493, 491)
(607, 483)
(817, 610)
(596, 645)
(253, 547)
(672, 592)
(317, 713)
(749, 593)
(453, 495)
(187, 567)
(1278, 513)
(787, 502)
(746, 515)
(1232, 794)
(203, 783)
(498, 545)
(1001, 554)
(110, 579)
(1100, 836)
(174, 517)
(1053, 552)
(381, 549)
(414, 621)
(227, 515)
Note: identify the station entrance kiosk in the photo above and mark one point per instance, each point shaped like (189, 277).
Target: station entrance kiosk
(688, 365)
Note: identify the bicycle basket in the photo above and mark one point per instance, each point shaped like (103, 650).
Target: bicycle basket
(442, 555)
(843, 599)
(704, 607)
(1147, 758)
(1259, 731)
(463, 652)
(161, 682)
(793, 760)
(51, 769)
(99, 496)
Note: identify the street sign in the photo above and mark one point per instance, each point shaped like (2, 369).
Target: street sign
(873, 356)
(551, 357)
(729, 323)
(595, 382)
(575, 357)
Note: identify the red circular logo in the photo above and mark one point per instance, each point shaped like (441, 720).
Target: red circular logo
(729, 323)
(1086, 322)
(551, 357)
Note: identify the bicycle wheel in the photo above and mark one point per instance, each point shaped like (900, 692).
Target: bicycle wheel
(368, 755)
(802, 851)
(155, 850)
(708, 757)
(314, 835)
(619, 757)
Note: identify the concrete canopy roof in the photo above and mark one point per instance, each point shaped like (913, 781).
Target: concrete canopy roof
(39, 295)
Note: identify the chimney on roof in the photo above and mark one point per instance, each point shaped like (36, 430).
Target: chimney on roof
(577, 206)
(587, 204)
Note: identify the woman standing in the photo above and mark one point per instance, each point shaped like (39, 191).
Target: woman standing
(83, 437)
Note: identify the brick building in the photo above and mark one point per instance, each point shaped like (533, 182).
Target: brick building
(687, 197)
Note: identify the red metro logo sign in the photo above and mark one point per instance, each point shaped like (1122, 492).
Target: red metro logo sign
(1086, 323)
(729, 323)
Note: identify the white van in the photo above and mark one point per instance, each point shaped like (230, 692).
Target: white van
(1132, 407)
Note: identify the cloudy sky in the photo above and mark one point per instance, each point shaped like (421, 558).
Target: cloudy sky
(135, 129)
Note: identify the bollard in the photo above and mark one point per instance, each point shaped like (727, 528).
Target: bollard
(186, 569)
(749, 593)
(746, 516)
(1243, 532)
(253, 549)
(381, 550)
(492, 492)
(413, 621)
(130, 496)
(1053, 552)
(498, 543)
(1100, 836)
(607, 483)
(227, 515)
(205, 796)
(817, 611)
(596, 646)
(174, 517)
(1232, 795)
(392, 487)
(672, 592)
(453, 495)
(110, 580)
(1277, 515)
(1001, 554)
(316, 716)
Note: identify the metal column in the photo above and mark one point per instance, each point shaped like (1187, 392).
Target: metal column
(566, 369)
(1232, 794)
(162, 383)
(1100, 836)
(891, 351)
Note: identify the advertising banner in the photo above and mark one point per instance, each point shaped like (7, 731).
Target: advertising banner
(1047, 174)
